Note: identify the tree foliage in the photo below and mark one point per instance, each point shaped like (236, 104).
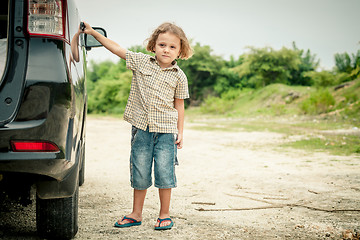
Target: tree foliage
(211, 76)
(264, 66)
(202, 70)
(348, 64)
(308, 63)
(321, 79)
(108, 87)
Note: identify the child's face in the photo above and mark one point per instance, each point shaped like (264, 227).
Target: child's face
(167, 49)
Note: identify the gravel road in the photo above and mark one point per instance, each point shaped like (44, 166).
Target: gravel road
(231, 185)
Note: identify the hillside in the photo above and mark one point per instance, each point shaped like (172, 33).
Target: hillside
(283, 100)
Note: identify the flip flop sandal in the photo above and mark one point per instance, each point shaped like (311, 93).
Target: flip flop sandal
(132, 222)
(164, 227)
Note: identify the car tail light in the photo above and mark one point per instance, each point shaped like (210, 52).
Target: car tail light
(47, 18)
(34, 146)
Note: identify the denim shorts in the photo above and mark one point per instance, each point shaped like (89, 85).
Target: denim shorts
(148, 148)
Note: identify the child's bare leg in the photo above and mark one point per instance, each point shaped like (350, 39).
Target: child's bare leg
(165, 197)
(138, 204)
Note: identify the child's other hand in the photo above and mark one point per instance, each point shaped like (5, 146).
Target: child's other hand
(179, 141)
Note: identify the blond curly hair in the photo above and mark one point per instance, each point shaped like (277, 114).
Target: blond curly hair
(185, 50)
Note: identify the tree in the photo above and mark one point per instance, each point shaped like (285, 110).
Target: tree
(343, 62)
(346, 64)
(98, 70)
(264, 66)
(202, 70)
(108, 87)
(228, 79)
(308, 63)
(322, 79)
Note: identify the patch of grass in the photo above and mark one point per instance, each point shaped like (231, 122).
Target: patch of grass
(272, 100)
(237, 124)
(352, 113)
(335, 144)
(282, 100)
(318, 102)
(321, 124)
(348, 95)
(106, 115)
(289, 126)
(211, 128)
(217, 105)
(280, 108)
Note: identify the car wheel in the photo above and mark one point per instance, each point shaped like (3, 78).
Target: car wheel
(57, 218)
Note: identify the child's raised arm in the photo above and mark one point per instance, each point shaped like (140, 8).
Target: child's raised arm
(106, 42)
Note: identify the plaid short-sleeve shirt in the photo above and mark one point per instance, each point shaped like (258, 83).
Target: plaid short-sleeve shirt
(152, 93)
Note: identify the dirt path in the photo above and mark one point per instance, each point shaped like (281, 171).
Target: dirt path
(238, 170)
(252, 188)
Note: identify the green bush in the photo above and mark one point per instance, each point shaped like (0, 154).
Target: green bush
(231, 94)
(342, 77)
(322, 79)
(109, 96)
(320, 101)
(216, 105)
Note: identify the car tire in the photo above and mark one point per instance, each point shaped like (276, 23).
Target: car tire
(57, 218)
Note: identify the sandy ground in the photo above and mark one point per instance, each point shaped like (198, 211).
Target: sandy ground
(246, 186)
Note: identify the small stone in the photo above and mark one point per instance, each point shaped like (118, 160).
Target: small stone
(347, 234)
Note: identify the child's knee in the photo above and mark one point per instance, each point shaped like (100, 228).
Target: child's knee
(141, 183)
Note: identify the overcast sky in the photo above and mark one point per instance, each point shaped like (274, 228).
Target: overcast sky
(325, 27)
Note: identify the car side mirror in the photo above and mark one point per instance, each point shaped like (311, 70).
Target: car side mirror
(91, 42)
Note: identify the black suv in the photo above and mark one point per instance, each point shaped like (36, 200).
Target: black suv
(43, 109)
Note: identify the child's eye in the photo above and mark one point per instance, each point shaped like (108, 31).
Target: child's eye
(162, 45)
(173, 47)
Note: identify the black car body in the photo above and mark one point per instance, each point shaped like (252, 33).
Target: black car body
(43, 109)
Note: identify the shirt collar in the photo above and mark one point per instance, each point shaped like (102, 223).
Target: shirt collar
(174, 66)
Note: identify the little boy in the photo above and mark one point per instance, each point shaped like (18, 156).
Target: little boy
(155, 109)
